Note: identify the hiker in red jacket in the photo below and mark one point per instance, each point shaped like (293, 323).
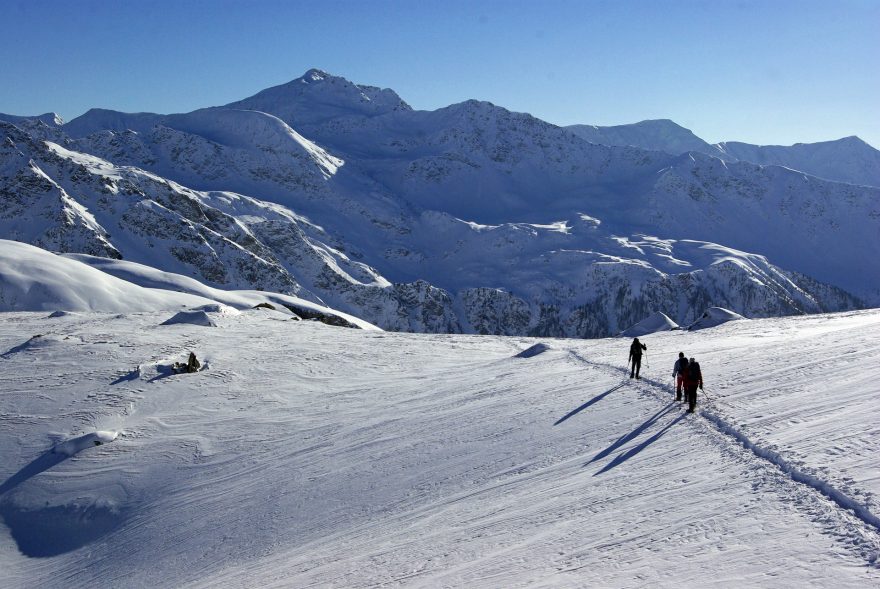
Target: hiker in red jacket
(678, 374)
(693, 378)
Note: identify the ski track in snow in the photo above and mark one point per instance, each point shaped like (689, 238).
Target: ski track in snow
(814, 482)
(869, 540)
(313, 456)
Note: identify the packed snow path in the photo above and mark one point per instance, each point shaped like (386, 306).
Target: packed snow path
(308, 455)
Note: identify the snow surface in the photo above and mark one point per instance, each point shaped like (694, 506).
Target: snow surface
(307, 455)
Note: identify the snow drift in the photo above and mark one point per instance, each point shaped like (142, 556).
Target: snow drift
(32, 279)
(713, 317)
(652, 324)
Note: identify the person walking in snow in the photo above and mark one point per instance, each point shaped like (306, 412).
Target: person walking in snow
(693, 378)
(635, 357)
(678, 374)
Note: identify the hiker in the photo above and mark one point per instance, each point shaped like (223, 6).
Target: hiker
(692, 379)
(678, 374)
(635, 357)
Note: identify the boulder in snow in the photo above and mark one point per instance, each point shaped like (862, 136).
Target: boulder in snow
(192, 365)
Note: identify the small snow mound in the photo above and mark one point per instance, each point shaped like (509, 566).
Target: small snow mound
(75, 445)
(57, 314)
(714, 316)
(533, 351)
(654, 323)
(220, 309)
(198, 317)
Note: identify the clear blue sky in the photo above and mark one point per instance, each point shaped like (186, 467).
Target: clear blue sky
(766, 71)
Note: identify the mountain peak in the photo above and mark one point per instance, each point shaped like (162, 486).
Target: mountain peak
(317, 96)
(314, 75)
(50, 118)
(654, 134)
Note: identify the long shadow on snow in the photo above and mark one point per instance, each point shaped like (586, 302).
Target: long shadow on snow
(633, 451)
(50, 531)
(128, 376)
(595, 399)
(44, 462)
(633, 434)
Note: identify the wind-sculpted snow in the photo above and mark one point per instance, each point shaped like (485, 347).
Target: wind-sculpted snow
(653, 324)
(33, 279)
(713, 317)
(309, 455)
(80, 443)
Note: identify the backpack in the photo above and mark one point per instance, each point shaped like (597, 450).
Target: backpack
(693, 369)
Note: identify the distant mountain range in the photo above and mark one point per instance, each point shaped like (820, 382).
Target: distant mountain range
(470, 218)
(845, 160)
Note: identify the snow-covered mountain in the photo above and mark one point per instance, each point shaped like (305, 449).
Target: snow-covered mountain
(470, 218)
(848, 160)
(304, 455)
(652, 135)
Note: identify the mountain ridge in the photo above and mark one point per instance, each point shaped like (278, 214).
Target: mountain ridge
(467, 218)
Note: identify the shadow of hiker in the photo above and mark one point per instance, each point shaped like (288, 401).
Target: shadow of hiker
(633, 434)
(633, 451)
(128, 376)
(44, 462)
(595, 399)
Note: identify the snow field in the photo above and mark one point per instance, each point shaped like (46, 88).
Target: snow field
(307, 455)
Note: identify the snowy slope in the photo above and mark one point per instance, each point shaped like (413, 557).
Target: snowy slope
(33, 279)
(307, 455)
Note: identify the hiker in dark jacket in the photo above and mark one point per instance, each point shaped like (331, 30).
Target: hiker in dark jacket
(693, 378)
(635, 357)
(678, 374)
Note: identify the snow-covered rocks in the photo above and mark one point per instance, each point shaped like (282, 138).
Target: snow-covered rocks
(200, 318)
(653, 323)
(80, 443)
(713, 317)
(533, 351)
